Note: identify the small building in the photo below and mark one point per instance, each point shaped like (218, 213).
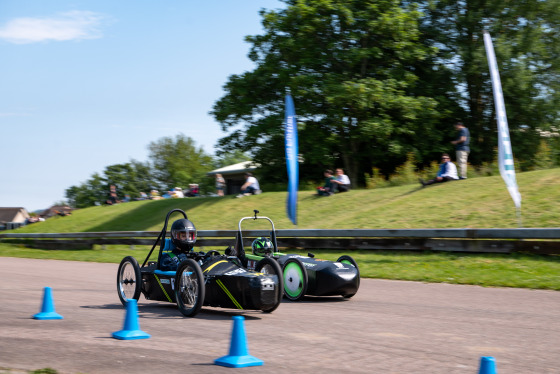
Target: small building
(12, 218)
(234, 175)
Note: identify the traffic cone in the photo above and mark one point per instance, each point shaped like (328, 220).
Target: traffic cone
(238, 351)
(131, 329)
(487, 365)
(47, 309)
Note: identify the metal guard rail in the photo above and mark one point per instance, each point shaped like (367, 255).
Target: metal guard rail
(532, 240)
(521, 233)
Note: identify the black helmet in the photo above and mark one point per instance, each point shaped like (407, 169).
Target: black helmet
(183, 242)
(262, 246)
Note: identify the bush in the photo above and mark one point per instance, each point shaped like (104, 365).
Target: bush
(375, 180)
(406, 173)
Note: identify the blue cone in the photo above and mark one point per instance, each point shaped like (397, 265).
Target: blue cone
(238, 352)
(47, 309)
(131, 329)
(487, 365)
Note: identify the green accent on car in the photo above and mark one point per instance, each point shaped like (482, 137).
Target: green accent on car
(223, 287)
(258, 258)
(297, 269)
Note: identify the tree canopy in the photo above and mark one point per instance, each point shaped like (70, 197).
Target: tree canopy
(178, 161)
(526, 38)
(174, 162)
(375, 80)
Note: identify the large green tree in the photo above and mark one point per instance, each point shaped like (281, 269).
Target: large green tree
(178, 161)
(351, 67)
(526, 37)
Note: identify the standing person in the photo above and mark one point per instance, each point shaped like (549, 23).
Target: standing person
(462, 148)
(220, 184)
(342, 181)
(250, 187)
(447, 172)
(113, 198)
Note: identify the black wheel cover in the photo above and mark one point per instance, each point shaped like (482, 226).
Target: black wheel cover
(349, 260)
(270, 266)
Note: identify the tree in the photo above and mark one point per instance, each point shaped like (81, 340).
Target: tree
(350, 66)
(233, 157)
(526, 37)
(90, 193)
(130, 178)
(178, 162)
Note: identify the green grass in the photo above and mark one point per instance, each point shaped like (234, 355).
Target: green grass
(503, 270)
(475, 203)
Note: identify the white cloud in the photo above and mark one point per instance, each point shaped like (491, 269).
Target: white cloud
(73, 25)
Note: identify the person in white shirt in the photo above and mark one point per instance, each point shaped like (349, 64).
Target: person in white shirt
(447, 172)
(250, 187)
(342, 182)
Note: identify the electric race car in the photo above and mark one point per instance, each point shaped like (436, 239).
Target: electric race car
(303, 275)
(208, 279)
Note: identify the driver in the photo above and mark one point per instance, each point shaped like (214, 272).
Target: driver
(183, 238)
(262, 246)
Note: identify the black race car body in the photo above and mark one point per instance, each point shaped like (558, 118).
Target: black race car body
(208, 279)
(304, 275)
(227, 285)
(324, 278)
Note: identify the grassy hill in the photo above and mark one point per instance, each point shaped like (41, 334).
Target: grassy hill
(474, 203)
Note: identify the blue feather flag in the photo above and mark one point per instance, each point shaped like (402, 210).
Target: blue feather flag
(291, 143)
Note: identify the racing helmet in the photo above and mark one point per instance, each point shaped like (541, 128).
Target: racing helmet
(262, 246)
(183, 234)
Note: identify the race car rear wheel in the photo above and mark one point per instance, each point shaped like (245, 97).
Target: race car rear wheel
(271, 267)
(190, 288)
(129, 280)
(345, 259)
(295, 279)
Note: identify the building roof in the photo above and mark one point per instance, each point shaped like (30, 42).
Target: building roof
(9, 214)
(240, 167)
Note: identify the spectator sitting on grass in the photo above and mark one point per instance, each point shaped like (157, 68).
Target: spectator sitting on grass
(447, 172)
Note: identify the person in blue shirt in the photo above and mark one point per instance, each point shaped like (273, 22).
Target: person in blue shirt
(447, 172)
(183, 238)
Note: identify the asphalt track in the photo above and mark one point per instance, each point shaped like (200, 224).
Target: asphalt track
(388, 327)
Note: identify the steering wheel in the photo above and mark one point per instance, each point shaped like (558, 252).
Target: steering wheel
(211, 254)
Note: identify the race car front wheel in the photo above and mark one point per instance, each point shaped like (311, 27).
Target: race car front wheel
(271, 267)
(345, 259)
(295, 279)
(129, 280)
(189, 289)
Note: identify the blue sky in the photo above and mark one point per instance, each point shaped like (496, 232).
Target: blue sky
(88, 84)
